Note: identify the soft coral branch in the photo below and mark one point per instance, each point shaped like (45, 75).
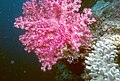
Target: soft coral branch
(50, 25)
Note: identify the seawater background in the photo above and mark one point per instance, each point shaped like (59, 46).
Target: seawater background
(15, 63)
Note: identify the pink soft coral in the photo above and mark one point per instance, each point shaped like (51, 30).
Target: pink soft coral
(50, 25)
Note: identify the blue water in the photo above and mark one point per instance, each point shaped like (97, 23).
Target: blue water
(15, 63)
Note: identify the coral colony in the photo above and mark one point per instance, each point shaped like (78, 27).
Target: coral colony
(52, 27)
(101, 60)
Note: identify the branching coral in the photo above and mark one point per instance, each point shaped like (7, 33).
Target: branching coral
(51, 25)
(101, 62)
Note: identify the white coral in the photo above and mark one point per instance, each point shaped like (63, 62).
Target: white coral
(101, 61)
